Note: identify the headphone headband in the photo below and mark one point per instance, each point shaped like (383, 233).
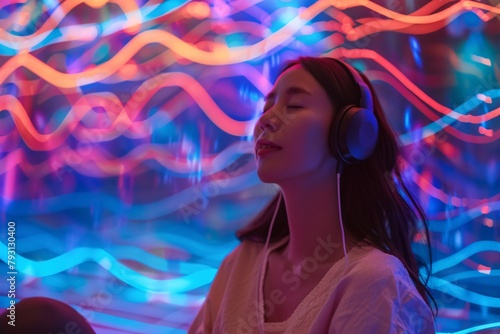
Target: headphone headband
(366, 100)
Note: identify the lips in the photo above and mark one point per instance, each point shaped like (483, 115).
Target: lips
(264, 146)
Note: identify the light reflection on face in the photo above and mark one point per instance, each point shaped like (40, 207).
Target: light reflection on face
(297, 116)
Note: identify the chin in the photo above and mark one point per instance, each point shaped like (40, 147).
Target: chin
(266, 177)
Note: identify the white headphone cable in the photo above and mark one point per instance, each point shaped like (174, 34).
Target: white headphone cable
(341, 222)
(261, 283)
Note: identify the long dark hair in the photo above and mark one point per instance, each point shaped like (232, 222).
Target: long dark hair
(377, 206)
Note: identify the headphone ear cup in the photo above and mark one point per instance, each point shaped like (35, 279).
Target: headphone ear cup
(334, 134)
(353, 134)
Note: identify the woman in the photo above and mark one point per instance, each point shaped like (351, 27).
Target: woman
(339, 258)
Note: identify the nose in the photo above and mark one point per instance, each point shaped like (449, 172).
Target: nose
(263, 124)
(268, 121)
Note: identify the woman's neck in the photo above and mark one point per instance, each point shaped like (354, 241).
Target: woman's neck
(313, 219)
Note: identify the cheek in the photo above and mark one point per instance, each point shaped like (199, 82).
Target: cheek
(313, 138)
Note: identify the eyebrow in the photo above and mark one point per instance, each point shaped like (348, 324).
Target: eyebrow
(290, 91)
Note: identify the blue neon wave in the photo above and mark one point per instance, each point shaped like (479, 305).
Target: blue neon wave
(104, 259)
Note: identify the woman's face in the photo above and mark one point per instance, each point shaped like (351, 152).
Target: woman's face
(297, 117)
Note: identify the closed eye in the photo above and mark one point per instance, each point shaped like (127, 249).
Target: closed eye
(289, 107)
